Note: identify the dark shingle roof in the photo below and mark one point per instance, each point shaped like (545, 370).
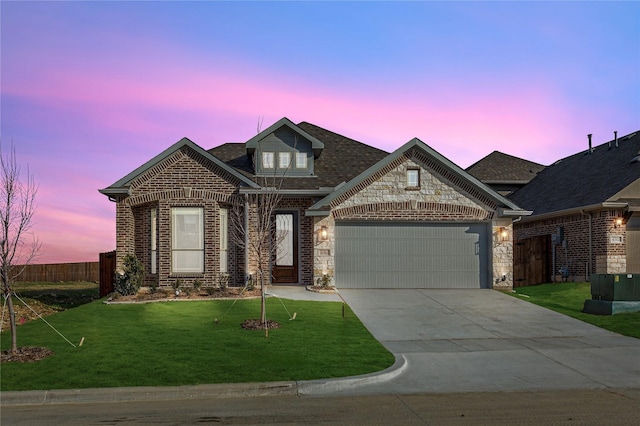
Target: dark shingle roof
(341, 160)
(499, 167)
(583, 179)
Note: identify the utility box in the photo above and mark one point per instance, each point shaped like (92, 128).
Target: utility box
(613, 294)
(625, 287)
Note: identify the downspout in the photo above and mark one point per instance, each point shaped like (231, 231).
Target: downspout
(589, 270)
(246, 238)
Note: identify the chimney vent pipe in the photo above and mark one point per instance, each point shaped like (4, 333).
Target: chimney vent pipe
(590, 148)
(615, 136)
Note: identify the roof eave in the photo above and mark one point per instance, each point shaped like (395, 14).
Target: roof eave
(576, 210)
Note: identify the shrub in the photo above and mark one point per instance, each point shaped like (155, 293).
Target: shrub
(250, 284)
(176, 285)
(324, 281)
(128, 281)
(223, 281)
(197, 284)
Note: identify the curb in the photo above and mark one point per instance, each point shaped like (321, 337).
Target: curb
(318, 387)
(144, 393)
(230, 390)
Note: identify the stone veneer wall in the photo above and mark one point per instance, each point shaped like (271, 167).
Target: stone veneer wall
(608, 257)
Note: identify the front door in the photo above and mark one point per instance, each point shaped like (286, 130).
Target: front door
(285, 262)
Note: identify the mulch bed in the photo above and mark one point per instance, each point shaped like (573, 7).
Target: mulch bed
(26, 354)
(164, 295)
(255, 324)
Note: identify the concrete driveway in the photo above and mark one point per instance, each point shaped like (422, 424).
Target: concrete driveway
(483, 340)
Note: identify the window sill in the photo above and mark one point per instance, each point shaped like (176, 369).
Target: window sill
(412, 188)
(186, 275)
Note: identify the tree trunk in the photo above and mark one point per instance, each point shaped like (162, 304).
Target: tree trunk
(12, 322)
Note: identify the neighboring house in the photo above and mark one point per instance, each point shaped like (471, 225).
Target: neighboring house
(365, 217)
(504, 173)
(586, 209)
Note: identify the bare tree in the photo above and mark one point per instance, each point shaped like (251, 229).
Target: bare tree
(17, 208)
(254, 225)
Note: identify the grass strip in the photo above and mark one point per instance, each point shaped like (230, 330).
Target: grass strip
(568, 299)
(179, 343)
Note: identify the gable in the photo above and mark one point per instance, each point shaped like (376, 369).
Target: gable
(123, 186)
(444, 184)
(184, 169)
(390, 185)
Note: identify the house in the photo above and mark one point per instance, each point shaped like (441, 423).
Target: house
(504, 173)
(586, 215)
(362, 216)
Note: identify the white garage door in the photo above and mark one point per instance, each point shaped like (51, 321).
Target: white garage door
(411, 255)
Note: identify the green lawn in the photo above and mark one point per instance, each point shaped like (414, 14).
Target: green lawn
(568, 299)
(179, 343)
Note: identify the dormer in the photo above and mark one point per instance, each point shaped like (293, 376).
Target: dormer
(284, 149)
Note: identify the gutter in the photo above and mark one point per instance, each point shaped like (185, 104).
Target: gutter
(298, 192)
(576, 210)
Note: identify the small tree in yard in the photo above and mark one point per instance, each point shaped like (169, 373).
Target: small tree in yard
(17, 208)
(255, 229)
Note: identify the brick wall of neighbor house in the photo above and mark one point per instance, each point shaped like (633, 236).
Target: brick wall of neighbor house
(608, 257)
(384, 196)
(184, 179)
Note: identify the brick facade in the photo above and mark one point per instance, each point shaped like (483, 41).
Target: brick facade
(608, 242)
(184, 179)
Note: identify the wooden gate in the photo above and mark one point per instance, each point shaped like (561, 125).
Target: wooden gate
(107, 271)
(532, 261)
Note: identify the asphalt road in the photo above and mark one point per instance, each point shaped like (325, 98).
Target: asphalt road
(578, 407)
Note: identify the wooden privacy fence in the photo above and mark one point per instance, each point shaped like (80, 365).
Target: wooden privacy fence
(531, 261)
(54, 272)
(107, 271)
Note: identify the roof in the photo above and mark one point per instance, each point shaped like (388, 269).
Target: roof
(340, 161)
(507, 206)
(585, 179)
(499, 167)
(122, 185)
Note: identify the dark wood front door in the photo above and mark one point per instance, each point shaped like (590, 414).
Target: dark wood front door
(285, 262)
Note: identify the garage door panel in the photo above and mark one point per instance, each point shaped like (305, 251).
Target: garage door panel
(424, 255)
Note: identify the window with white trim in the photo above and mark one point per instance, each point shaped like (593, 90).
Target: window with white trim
(268, 159)
(413, 178)
(154, 241)
(224, 239)
(187, 240)
(284, 160)
(301, 160)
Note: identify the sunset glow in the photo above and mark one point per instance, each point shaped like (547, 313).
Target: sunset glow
(92, 90)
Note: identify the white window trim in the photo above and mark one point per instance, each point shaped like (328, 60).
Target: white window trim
(154, 241)
(284, 160)
(268, 160)
(301, 160)
(198, 248)
(411, 184)
(224, 240)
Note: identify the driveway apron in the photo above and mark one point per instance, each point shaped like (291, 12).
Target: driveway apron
(484, 340)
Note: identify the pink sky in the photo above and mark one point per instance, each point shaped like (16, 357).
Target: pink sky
(90, 91)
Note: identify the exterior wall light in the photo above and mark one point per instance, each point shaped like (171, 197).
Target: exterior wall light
(617, 222)
(323, 234)
(503, 234)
